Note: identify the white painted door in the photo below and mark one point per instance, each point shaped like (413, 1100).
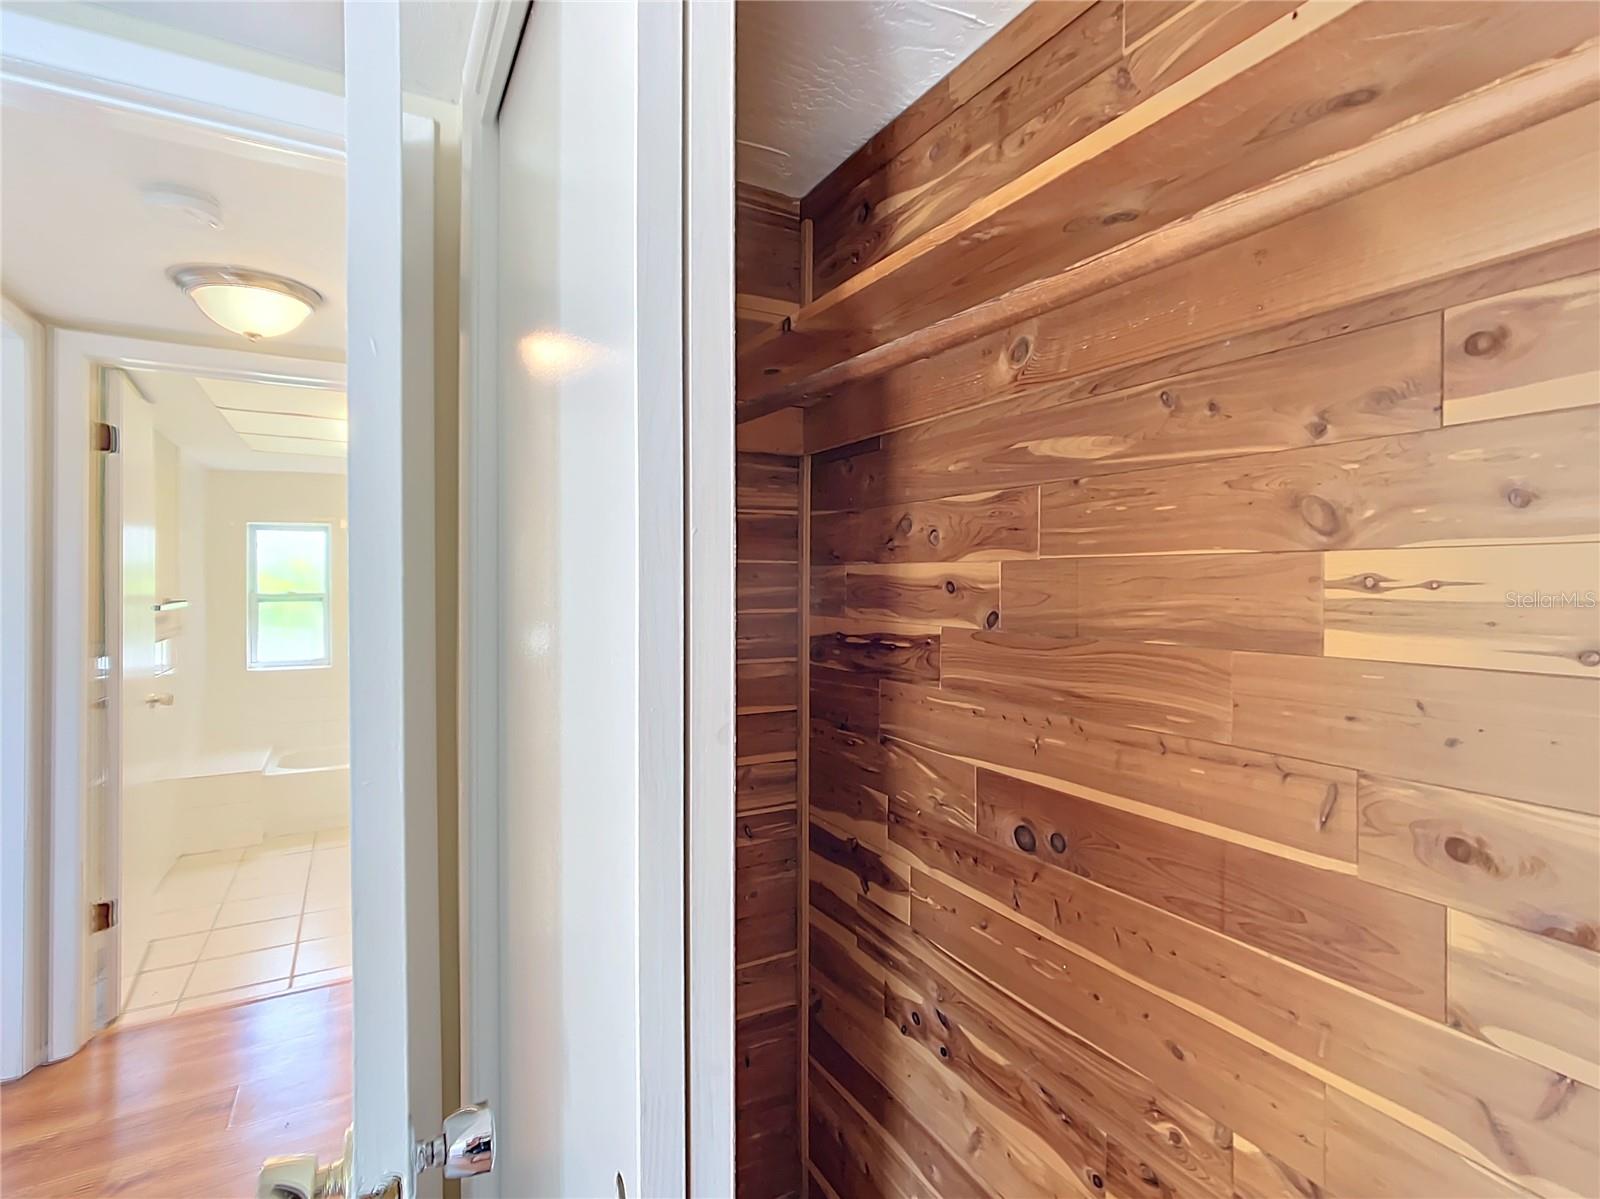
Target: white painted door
(394, 799)
(141, 711)
(589, 649)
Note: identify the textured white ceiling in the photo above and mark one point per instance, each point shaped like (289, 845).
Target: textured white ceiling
(817, 78)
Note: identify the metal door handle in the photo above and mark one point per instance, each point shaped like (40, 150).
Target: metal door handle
(158, 699)
(466, 1146)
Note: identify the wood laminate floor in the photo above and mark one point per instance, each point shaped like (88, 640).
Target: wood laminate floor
(186, 1106)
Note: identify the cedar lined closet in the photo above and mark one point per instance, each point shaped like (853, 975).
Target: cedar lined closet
(1168, 664)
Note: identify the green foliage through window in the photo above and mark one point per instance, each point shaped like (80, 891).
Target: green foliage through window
(288, 595)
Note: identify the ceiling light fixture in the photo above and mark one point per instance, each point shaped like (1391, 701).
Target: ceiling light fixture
(253, 304)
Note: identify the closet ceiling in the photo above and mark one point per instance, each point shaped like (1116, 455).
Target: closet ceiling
(816, 78)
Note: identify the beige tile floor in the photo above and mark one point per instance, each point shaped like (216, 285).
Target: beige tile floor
(240, 924)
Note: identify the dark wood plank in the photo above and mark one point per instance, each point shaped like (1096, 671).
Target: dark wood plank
(1170, 868)
(766, 685)
(766, 736)
(766, 635)
(986, 526)
(1376, 940)
(767, 537)
(883, 655)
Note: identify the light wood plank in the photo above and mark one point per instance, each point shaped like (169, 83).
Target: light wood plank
(1295, 802)
(1239, 1084)
(1528, 737)
(1530, 351)
(1529, 866)
(1510, 607)
(767, 686)
(1223, 601)
(1167, 689)
(1530, 995)
(986, 526)
(1525, 478)
(1375, 1157)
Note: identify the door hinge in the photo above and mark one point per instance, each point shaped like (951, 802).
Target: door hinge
(102, 915)
(106, 438)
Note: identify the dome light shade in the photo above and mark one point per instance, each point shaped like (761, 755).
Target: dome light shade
(253, 304)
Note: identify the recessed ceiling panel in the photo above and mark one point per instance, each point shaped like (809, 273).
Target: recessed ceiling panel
(271, 397)
(281, 424)
(293, 445)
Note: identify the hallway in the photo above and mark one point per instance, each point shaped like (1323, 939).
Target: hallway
(185, 1106)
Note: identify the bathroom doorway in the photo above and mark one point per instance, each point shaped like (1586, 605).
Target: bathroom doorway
(226, 623)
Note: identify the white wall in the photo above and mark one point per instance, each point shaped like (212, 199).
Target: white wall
(247, 710)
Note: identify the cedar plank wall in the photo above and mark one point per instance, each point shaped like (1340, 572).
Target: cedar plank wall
(1190, 812)
(767, 741)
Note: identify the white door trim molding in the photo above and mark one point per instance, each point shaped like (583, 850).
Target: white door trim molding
(496, 31)
(709, 525)
(77, 358)
(75, 64)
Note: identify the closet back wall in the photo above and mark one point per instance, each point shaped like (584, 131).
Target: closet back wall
(1204, 689)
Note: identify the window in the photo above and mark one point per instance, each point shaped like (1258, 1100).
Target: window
(287, 594)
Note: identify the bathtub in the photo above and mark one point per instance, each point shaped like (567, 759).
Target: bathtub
(304, 761)
(244, 799)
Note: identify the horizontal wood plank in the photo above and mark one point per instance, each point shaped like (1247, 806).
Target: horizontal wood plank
(965, 595)
(1527, 1122)
(1298, 803)
(1505, 607)
(1167, 867)
(985, 526)
(1524, 478)
(1378, 941)
(885, 655)
(1168, 689)
(1530, 351)
(1224, 601)
(1534, 997)
(1529, 866)
(1528, 737)
(1367, 384)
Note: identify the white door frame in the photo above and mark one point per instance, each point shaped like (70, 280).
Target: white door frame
(689, 1061)
(77, 360)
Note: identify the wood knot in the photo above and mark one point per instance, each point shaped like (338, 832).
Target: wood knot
(903, 525)
(1058, 843)
(1369, 582)
(1320, 515)
(1519, 497)
(1023, 836)
(1020, 350)
(1353, 99)
(1590, 657)
(916, 1018)
(1213, 408)
(1096, 1181)
(864, 212)
(991, 620)
(1481, 343)
(769, 370)
(1318, 428)
(950, 586)
(933, 536)
(1167, 400)
(1119, 218)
